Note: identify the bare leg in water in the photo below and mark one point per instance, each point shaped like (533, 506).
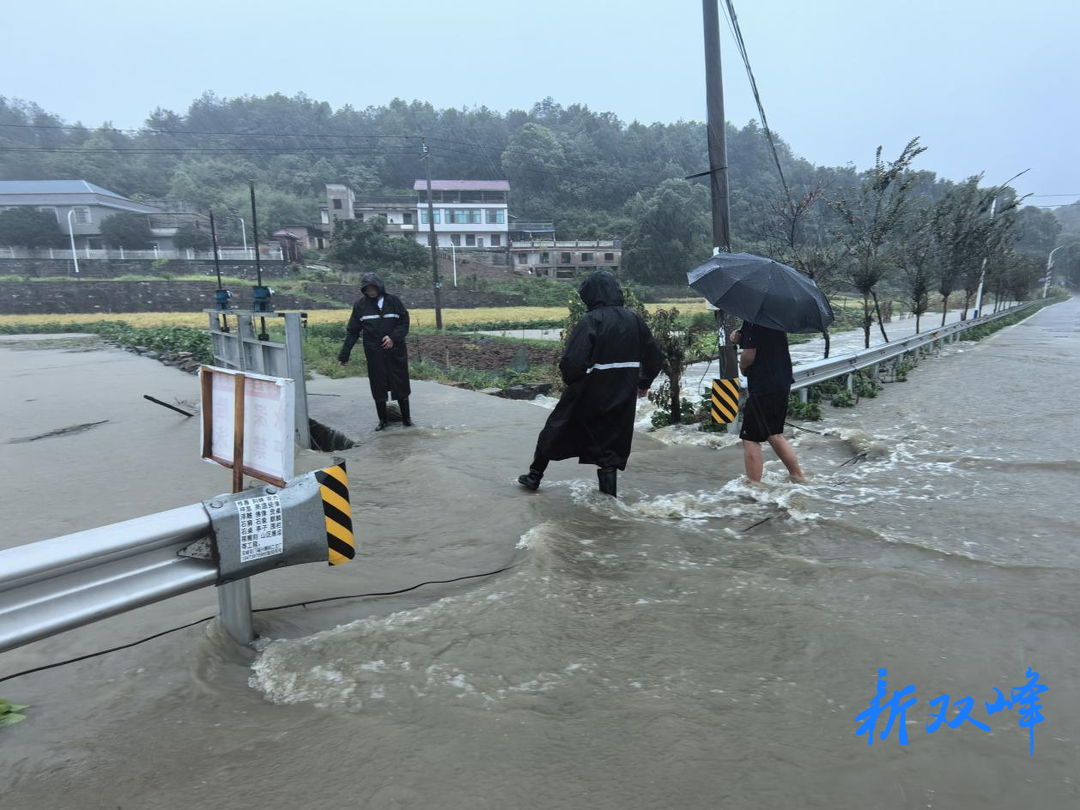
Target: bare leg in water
(755, 463)
(786, 453)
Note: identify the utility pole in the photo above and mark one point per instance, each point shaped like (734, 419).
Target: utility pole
(260, 296)
(718, 176)
(432, 238)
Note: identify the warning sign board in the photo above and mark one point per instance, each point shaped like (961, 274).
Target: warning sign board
(251, 413)
(261, 533)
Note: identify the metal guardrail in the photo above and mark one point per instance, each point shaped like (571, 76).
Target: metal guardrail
(60, 584)
(818, 371)
(55, 585)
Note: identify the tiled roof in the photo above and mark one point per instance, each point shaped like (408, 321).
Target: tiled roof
(53, 187)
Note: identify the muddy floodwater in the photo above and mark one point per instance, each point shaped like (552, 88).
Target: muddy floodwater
(697, 643)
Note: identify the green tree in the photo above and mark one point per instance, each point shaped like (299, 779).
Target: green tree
(797, 235)
(127, 230)
(30, 228)
(190, 236)
(1038, 230)
(915, 257)
(870, 215)
(681, 346)
(967, 238)
(670, 233)
(365, 243)
(533, 158)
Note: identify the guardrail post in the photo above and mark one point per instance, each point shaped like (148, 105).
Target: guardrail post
(850, 383)
(804, 395)
(875, 371)
(234, 610)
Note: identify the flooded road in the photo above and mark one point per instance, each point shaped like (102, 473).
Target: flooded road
(698, 643)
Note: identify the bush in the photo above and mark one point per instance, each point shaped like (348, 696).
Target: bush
(703, 417)
(190, 236)
(28, 227)
(806, 411)
(843, 399)
(127, 230)
(864, 386)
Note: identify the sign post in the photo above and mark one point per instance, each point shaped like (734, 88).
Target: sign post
(256, 441)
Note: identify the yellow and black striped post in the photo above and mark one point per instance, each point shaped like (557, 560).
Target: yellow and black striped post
(725, 401)
(334, 487)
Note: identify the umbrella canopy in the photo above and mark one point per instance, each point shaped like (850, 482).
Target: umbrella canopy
(763, 292)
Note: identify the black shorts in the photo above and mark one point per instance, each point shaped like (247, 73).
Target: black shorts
(764, 416)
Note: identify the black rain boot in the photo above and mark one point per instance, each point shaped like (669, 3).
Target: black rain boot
(380, 408)
(403, 406)
(532, 480)
(606, 477)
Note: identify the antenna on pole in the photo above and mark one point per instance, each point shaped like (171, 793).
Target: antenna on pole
(222, 296)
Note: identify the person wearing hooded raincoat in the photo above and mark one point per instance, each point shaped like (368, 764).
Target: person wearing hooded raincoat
(384, 322)
(610, 361)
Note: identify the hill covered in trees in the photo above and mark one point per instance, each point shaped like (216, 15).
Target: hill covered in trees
(592, 173)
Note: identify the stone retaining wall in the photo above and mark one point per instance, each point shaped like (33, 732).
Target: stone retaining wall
(86, 296)
(111, 268)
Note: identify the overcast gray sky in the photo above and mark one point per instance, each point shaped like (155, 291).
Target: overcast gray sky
(988, 85)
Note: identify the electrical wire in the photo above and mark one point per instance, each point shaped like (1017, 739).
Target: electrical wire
(741, 43)
(303, 604)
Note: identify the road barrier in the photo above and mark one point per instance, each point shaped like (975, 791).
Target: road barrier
(56, 585)
(807, 374)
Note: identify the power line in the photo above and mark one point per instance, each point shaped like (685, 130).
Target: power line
(730, 8)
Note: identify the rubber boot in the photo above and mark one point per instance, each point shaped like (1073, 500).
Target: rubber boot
(403, 406)
(531, 481)
(606, 477)
(380, 408)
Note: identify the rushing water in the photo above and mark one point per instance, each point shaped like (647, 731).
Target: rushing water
(697, 643)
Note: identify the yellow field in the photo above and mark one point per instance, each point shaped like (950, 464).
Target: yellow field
(420, 317)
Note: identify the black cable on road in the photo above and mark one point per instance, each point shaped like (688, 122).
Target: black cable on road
(256, 610)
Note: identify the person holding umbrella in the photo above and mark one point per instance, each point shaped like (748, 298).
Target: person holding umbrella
(384, 323)
(610, 361)
(766, 363)
(773, 300)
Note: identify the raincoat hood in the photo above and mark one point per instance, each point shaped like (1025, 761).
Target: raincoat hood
(601, 290)
(370, 279)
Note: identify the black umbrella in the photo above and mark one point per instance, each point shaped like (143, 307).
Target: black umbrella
(763, 292)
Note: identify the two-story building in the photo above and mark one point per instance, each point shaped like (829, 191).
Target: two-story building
(468, 213)
(80, 208)
(565, 259)
(397, 211)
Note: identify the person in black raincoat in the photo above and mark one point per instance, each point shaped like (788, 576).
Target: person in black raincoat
(610, 361)
(384, 323)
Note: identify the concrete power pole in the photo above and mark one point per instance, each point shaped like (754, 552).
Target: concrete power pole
(718, 176)
(432, 238)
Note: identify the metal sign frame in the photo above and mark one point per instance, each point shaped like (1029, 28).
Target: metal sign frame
(240, 349)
